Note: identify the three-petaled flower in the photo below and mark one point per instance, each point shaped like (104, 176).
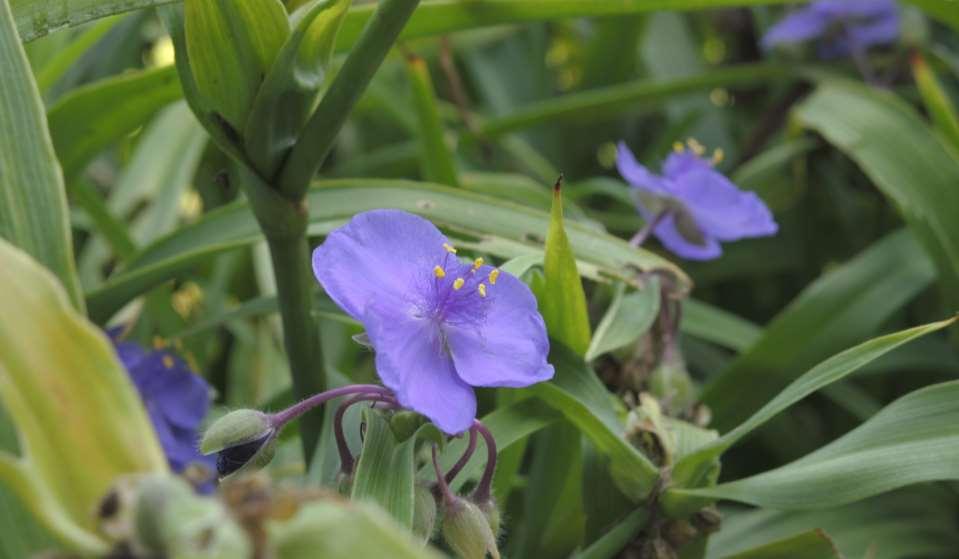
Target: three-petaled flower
(691, 206)
(439, 325)
(845, 26)
(176, 400)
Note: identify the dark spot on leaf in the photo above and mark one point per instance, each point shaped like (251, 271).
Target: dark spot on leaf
(425, 204)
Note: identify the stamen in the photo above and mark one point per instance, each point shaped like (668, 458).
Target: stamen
(482, 289)
(458, 284)
(493, 276)
(158, 342)
(718, 156)
(694, 145)
(678, 147)
(478, 263)
(449, 248)
(167, 361)
(439, 272)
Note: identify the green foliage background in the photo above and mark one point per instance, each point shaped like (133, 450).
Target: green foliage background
(824, 357)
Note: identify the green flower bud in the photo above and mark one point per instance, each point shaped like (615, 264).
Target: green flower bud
(231, 47)
(245, 440)
(492, 514)
(172, 521)
(467, 531)
(424, 512)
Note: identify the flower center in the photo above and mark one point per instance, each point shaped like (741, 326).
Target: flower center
(459, 292)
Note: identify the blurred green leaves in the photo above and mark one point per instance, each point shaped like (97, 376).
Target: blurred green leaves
(33, 210)
(80, 420)
(903, 157)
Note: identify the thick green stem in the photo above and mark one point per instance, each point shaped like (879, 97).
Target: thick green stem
(316, 139)
(284, 225)
(294, 288)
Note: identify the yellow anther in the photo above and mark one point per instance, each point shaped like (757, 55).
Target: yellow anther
(478, 263)
(678, 147)
(694, 145)
(158, 342)
(439, 272)
(482, 289)
(167, 361)
(718, 156)
(458, 284)
(493, 276)
(449, 248)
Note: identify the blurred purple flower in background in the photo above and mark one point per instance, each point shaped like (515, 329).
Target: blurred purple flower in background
(691, 207)
(439, 326)
(176, 399)
(845, 26)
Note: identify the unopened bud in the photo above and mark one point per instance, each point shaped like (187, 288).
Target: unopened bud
(172, 521)
(243, 439)
(424, 512)
(492, 514)
(467, 531)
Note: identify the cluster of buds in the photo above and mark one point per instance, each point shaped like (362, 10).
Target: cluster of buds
(244, 440)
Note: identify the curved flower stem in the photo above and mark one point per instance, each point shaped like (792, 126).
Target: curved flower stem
(448, 498)
(347, 462)
(467, 454)
(281, 418)
(482, 493)
(640, 237)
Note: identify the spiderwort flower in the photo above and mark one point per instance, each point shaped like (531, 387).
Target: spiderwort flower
(439, 326)
(176, 400)
(691, 207)
(845, 26)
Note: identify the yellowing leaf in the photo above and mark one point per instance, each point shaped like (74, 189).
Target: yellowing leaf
(79, 419)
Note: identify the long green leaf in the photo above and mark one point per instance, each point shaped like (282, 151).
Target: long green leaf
(36, 18)
(93, 117)
(80, 421)
(577, 392)
(814, 544)
(841, 308)
(504, 230)
(916, 522)
(588, 105)
(690, 469)
(385, 472)
(903, 157)
(915, 439)
(436, 159)
(33, 205)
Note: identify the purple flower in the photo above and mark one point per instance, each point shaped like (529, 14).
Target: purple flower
(440, 326)
(176, 399)
(846, 26)
(692, 206)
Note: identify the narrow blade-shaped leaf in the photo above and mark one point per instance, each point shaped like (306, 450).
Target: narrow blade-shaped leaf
(33, 209)
(915, 439)
(690, 469)
(562, 301)
(628, 317)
